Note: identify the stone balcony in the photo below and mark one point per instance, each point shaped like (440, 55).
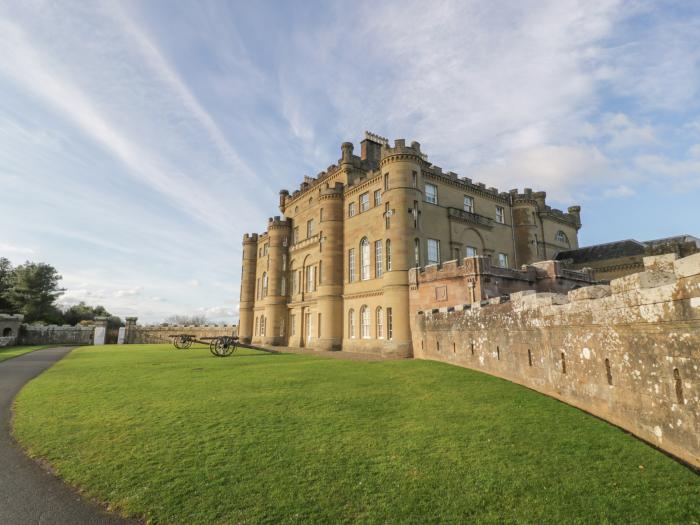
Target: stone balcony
(474, 218)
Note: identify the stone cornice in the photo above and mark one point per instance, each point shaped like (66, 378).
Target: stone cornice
(361, 295)
(357, 188)
(467, 187)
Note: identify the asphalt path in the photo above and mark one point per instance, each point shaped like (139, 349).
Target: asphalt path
(28, 493)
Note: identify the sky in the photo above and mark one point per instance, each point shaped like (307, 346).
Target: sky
(139, 140)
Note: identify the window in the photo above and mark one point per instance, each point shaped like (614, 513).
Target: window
(257, 326)
(257, 288)
(351, 324)
(309, 228)
(264, 285)
(389, 324)
(299, 281)
(502, 260)
(379, 320)
(378, 264)
(431, 193)
(377, 197)
(262, 325)
(283, 285)
(416, 252)
(415, 179)
(500, 215)
(470, 251)
(282, 327)
(364, 322)
(386, 181)
(364, 202)
(388, 255)
(266, 249)
(310, 278)
(561, 237)
(293, 323)
(284, 262)
(433, 251)
(351, 264)
(295, 235)
(320, 272)
(320, 215)
(352, 209)
(318, 328)
(364, 259)
(387, 216)
(295, 285)
(469, 204)
(414, 212)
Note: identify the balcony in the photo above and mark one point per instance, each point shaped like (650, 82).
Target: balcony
(474, 218)
(300, 245)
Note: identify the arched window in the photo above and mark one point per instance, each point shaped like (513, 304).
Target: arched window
(364, 259)
(561, 238)
(283, 285)
(263, 325)
(416, 251)
(257, 326)
(378, 264)
(351, 323)
(7, 332)
(388, 255)
(364, 322)
(264, 284)
(379, 319)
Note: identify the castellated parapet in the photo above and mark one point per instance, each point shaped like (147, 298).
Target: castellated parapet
(628, 352)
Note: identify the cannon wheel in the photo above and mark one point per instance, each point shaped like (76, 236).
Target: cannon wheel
(187, 342)
(224, 346)
(177, 342)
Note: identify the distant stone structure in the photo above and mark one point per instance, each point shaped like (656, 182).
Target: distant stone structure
(9, 329)
(617, 259)
(39, 334)
(628, 352)
(136, 334)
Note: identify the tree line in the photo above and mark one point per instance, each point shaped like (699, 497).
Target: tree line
(32, 289)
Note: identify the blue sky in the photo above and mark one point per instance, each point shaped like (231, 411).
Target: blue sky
(140, 140)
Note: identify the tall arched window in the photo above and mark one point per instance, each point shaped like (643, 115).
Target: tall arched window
(364, 322)
(264, 284)
(283, 285)
(263, 325)
(351, 323)
(388, 255)
(561, 237)
(416, 251)
(364, 259)
(379, 319)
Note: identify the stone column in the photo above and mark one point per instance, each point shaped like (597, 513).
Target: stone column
(100, 330)
(130, 330)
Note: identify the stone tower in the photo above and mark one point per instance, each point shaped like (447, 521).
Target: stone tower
(275, 302)
(247, 301)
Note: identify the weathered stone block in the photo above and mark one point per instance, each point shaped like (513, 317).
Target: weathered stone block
(641, 280)
(590, 292)
(660, 263)
(688, 266)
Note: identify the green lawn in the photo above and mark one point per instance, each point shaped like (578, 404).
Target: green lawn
(183, 437)
(14, 351)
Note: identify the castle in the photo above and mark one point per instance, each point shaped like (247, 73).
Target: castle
(334, 272)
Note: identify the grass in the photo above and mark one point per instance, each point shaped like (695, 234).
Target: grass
(182, 437)
(14, 351)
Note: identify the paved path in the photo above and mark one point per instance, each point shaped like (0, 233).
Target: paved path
(28, 494)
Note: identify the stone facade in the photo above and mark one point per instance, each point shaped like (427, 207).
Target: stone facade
(333, 274)
(628, 352)
(9, 329)
(476, 279)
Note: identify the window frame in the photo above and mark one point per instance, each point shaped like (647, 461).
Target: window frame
(364, 202)
(435, 243)
(468, 204)
(428, 197)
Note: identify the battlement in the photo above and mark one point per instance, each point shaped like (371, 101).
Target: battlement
(250, 238)
(400, 148)
(277, 223)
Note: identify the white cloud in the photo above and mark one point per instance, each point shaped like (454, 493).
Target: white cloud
(128, 293)
(622, 133)
(19, 250)
(620, 191)
(194, 283)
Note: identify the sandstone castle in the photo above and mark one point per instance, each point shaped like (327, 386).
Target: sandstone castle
(334, 272)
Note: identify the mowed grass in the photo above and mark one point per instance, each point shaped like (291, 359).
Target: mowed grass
(14, 351)
(183, 437)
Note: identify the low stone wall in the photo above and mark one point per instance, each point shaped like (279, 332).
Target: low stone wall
(35, 334)
(628, 352)
(160, 334)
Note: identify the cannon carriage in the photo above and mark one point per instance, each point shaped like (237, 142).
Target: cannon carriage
(221, 346)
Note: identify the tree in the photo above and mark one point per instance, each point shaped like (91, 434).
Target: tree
(187, 320)
(82, 312)
(5, 284)
(33, 292)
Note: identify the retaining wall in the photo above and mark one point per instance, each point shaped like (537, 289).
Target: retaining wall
(628, 352)
(159, 334)
(35, 334)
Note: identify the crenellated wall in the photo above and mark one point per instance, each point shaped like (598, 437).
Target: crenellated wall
(628, 352)
(160, 334)
(36, 334)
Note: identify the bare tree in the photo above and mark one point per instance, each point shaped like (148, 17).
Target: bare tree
(187, 320)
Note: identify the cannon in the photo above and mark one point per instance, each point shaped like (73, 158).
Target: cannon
(221, 346)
